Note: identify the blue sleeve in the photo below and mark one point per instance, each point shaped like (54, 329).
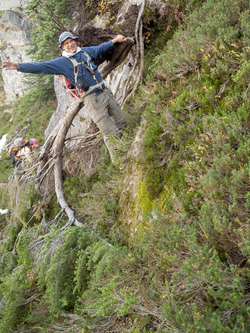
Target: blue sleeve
(47, 67)
(95, 51)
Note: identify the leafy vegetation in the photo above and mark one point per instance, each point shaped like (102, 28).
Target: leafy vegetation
(184, 266)
(50, 18)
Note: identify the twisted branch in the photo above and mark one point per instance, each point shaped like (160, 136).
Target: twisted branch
(139, 51)
(53, 152)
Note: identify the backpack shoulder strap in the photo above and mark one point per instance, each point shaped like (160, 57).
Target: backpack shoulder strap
(76, 64)
(86, 55)
(75, 92)
(88, 59)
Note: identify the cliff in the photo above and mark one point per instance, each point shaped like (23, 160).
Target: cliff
(14, 37)
(159, 241)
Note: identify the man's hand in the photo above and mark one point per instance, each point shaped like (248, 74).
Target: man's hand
(10, 65)
(119, 39)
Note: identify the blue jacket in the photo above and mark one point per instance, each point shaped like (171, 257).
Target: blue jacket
(64, 66)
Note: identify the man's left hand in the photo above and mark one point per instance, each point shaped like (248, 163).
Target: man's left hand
(119, 39)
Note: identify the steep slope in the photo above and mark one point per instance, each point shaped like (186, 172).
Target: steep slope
(170, 249)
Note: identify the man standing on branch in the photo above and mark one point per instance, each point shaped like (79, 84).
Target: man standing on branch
(76, 65)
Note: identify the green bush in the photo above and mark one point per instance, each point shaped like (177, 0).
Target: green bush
(184, 266)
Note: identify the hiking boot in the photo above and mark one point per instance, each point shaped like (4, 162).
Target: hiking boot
(119, 133)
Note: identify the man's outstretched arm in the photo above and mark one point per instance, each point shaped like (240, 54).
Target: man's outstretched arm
(10, 65)
(55, 66)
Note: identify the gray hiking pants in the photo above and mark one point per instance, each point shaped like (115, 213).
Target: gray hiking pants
(101, 108)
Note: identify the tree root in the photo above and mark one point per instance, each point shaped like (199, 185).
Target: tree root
(120, 53)
(139, 51)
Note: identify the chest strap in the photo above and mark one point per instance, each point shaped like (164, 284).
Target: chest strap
(88, 67)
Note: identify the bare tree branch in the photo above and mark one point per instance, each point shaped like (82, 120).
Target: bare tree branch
(139, 77)
(47, 28)
(53, 148)
(139, 50)
(60, 195)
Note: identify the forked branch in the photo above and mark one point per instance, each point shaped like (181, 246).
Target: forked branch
(53, 150)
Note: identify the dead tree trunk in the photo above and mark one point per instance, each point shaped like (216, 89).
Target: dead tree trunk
(52, 153)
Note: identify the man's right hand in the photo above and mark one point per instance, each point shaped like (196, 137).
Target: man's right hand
(10, 65)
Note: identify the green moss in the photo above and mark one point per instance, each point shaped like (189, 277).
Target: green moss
(92, 15)
(144, 200)
(165, 198)
(193, 174)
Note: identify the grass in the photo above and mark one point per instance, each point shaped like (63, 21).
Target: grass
(184, 264)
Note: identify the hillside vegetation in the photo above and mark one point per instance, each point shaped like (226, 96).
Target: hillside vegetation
(185, 265)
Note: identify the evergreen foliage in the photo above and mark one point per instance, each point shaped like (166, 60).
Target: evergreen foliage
(50, 18)
(186, 268)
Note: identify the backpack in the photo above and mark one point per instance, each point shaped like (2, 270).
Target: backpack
(17, 145)
(71, 88)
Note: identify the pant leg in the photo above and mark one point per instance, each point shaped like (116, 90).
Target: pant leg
(115, 110)
(98, 108)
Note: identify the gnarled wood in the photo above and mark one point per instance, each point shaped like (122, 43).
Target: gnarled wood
(53, 150)
(59, 192)
(55, 142)
(120, 52)
(139, 51)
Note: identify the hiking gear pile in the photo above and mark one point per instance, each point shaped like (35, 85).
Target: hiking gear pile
(18, 144)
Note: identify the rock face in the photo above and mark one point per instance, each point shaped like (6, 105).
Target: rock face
(5, 5)
(130, 211)
(81, 120)
(14, 38)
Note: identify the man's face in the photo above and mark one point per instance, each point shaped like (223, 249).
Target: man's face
(69, 45)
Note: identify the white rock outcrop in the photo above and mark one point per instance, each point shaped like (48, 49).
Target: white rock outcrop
(14, 39)
(8, 4)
